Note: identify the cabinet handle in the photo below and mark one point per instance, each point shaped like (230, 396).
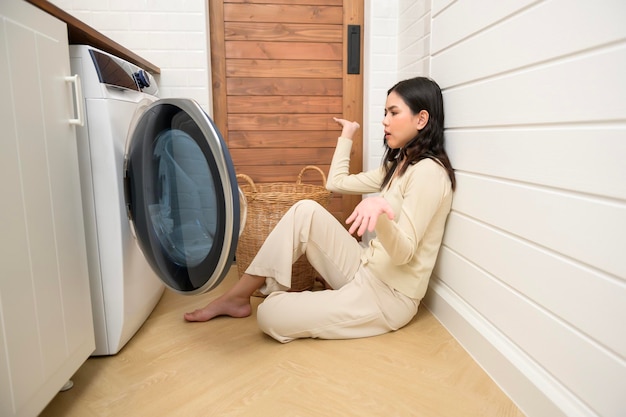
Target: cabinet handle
(78, 99)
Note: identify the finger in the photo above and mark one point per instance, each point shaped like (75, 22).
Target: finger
(353, 227)
(357, 223)
(372, 224)
(363, 227)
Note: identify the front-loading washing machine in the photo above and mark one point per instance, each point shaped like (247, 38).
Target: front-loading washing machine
(160, 197)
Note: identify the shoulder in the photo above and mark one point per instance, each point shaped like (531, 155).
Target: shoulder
(427, 166)
(428, 173)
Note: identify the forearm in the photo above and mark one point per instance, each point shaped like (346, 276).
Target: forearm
(339, 177)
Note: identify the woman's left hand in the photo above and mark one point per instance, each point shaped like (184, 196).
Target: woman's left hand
(365, 214)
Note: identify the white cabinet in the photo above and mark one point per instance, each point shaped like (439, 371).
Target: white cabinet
(46, 329)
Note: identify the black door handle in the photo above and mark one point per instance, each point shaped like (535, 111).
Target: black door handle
(354, 49)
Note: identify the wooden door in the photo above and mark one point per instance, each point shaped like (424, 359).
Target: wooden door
(279, 72)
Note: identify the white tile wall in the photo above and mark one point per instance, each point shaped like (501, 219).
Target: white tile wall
(379, 73)
(397, 46)
(172, 35)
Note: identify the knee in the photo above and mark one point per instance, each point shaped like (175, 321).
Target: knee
(306, 210)
(307, 206)
(263, 318)
(269, 319)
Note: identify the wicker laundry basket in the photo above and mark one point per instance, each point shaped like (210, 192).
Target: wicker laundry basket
(267, 203)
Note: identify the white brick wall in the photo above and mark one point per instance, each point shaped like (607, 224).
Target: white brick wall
(380, 73)
(397, 46)
(172, 35)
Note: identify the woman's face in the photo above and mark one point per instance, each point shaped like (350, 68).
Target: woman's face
(401, 125)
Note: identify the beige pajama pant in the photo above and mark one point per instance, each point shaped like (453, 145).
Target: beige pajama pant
(360, 305)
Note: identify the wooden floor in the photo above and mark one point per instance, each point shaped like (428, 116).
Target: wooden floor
(227, 367)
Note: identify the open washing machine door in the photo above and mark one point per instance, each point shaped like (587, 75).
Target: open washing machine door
(182, 196)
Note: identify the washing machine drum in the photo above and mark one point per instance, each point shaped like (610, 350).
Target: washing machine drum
(182, 195)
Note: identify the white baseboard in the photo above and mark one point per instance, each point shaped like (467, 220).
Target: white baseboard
(529, 386)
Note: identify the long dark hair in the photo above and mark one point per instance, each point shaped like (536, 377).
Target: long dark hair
(419, 94)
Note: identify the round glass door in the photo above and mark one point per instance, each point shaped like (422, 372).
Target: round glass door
(182, 195)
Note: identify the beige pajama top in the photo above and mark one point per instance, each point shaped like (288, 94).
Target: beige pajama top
(405, 249)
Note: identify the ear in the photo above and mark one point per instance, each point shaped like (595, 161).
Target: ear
(421, 119)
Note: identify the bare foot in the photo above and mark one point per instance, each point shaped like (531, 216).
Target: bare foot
(235, 302)
(239, 307)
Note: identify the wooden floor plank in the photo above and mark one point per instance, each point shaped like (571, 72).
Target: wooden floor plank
(227, 367)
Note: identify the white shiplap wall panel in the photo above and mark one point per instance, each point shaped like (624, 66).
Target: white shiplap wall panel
(588, 371)
(535, 101)
(413, 39)
(530, 386)
(466, 18)
(520, 40)
(439, 5)
(556, 284)
(590, 230)
(556, 157)
(543, 95)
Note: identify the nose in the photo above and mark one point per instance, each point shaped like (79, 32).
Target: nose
(386, 120)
